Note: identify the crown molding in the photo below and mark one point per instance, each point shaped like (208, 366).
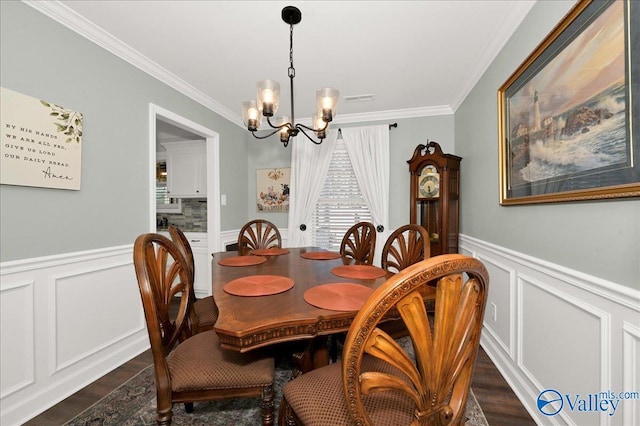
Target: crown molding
(395, 114)
(518, 11)
(80, 25)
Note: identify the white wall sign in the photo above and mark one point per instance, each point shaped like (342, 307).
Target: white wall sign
(41, 143)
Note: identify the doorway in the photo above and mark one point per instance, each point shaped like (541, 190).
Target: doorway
(168, 119)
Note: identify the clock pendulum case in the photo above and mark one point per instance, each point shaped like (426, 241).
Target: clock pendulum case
(435, 196)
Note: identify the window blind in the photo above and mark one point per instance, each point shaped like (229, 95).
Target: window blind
(162, 197)
(340, 204)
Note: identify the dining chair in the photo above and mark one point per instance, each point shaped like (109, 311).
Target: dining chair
(380, 381)
(359, 243)
(205, 311)
(194, 368)
(405, 246)
(258, 234)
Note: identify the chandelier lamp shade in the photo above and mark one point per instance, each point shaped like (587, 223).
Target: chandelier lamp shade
(268, 99)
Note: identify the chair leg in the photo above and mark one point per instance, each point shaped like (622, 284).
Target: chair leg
(285, 414)
(188, 407)
(267, 406)
(164, 410)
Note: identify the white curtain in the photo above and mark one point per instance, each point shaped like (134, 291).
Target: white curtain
(368, 149)
(309, 165)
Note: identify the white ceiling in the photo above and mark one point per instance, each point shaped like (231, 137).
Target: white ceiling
(417, 58)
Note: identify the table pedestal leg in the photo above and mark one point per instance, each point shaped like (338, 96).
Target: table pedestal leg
(315, 354)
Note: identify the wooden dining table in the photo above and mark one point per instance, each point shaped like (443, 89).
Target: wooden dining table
(249, 322)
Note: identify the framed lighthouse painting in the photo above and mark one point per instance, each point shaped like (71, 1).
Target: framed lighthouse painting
(568, 116)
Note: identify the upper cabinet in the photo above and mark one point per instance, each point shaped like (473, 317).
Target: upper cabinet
(186, 169)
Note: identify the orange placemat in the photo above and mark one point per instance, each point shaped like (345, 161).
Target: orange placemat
(320, 255)
(338, 296)
(274, 251)
(359, 272)
(242, 260)
(258, 285)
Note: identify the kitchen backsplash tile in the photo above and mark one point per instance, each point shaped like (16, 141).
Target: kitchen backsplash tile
(192, 219)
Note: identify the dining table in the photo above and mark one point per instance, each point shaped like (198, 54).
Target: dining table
(268, 297)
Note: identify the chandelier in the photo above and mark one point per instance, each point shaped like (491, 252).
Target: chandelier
(268, 97)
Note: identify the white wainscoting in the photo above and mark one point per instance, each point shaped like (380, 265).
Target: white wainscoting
(561, 329)
(65, 321)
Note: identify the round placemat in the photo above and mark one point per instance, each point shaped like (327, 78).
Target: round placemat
(359, 272)
(321, 255)
(273, 251)
(258, 285)
(338, 296)
(242, 260)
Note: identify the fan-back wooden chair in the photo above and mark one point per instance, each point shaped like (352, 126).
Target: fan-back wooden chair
(405, 246)
(359, 243)
(380, 382)
(258, 234)
(196, 368)
(205, 311)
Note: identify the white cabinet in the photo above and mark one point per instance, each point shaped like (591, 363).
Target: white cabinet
(186, 169)
(202, 262)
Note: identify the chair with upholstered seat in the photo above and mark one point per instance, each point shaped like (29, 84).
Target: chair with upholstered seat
(205, 310)
(190, 367)
(378, 381)
(359, 243)
(258, 234)
(405, 246)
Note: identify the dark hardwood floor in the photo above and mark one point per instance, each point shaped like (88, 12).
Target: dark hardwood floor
(499, 403)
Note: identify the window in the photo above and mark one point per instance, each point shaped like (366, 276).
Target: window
(164, 203)
(340, 204)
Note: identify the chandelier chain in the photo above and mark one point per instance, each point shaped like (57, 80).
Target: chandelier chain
(292, 70)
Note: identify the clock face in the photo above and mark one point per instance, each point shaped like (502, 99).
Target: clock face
(429, 184)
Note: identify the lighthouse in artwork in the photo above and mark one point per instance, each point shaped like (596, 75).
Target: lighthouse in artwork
(536, 112)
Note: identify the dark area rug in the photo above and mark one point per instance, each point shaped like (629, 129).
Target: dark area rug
(134, 403)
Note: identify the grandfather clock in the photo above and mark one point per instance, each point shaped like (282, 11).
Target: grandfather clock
(435, 196)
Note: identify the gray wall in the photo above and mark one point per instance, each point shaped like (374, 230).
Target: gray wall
(43, 59)
(599, 238)
(264, 154)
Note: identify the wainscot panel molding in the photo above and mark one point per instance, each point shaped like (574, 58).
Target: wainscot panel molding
(65, 321)
(556, 328)
(631, 367)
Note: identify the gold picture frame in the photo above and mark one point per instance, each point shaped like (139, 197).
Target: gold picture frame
(568, 126)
